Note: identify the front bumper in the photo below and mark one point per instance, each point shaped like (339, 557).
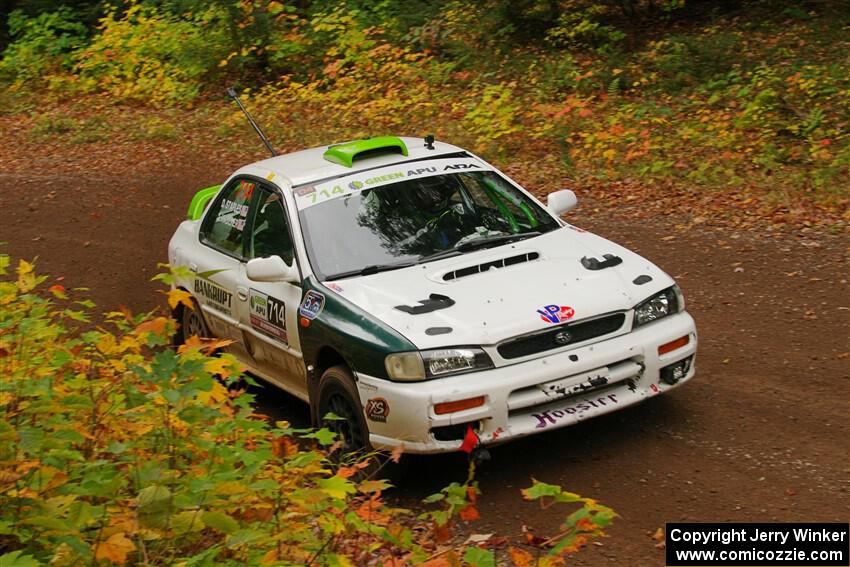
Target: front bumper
(529, 397)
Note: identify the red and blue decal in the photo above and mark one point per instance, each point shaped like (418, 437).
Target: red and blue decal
(556, 313)
(312, 305)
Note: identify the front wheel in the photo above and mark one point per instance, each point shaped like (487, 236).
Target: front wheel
(338, 395)
(192, 324)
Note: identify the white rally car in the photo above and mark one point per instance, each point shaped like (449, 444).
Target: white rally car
(420, 294)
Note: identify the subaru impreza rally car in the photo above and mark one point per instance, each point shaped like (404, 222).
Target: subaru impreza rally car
(419, 294)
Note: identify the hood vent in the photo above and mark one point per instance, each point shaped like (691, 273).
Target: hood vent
(481, 268)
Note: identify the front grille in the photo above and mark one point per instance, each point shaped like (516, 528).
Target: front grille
(578, 332)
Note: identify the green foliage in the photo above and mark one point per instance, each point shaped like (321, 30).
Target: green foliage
(117, 449)
(683, 61)
(755, 101)
(42, 45)
(148, 54)
(583, 28)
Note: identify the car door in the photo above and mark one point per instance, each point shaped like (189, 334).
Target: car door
(219, 267)
(271, 323)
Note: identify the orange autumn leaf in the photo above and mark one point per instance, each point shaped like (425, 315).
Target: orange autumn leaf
(520, 557)
(469, 513)
(115, 549)
(370, 511)
(398, 450)
(441, 533)
(284, 447)
(155, 326)
(58, 291)
(346, 472)
(209, 346)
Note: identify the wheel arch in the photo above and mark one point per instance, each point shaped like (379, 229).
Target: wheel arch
(177, 316)
(326, 357)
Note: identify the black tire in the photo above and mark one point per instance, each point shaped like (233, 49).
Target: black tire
(191, 323)
(338, 395)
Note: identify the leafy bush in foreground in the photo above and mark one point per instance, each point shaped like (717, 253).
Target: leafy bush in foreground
(116, 449)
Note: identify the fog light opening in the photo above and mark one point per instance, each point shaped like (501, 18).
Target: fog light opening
(454, 432)
(674, 372)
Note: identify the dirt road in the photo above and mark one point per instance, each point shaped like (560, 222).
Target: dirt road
(761, 434)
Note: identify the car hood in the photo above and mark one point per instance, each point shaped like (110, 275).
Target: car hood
(502, 302)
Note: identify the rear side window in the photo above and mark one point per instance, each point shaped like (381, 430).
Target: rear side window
(224, 224)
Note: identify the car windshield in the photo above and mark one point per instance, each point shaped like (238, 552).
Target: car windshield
(357, 230)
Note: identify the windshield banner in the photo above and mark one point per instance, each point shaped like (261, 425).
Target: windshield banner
(309, 195)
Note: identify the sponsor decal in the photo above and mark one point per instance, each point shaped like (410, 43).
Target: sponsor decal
(414, 172)
(654, 388)
(245, 191)
(217, 297)
(547, 418)
(461, 166)
(311, 195)
(228, 206)
(312, 305)
(382, 178)
(334, 286)
(556, 314)
(377, 409)
(268, 314)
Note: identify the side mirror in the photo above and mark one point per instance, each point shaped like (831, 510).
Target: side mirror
(271, 269)
(561, 202)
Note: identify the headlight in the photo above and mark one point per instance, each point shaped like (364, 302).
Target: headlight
(422, 365)
(659, 305)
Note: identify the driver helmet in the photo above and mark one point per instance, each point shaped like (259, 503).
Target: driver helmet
(431, 194)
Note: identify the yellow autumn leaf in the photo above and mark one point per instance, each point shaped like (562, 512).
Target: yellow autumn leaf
(217, 394)
(24, 267)
(26, 277)
(180, 297)
(107, 344)
(219, 366)
(115, 549)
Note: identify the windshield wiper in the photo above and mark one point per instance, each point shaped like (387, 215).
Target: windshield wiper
(495, 240)
(369, 270)
(478, 243)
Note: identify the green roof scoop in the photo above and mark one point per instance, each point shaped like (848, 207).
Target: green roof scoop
(345, 154)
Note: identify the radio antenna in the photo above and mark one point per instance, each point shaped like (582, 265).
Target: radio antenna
(231, 92)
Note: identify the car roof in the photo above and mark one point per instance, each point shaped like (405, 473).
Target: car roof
(310, 166)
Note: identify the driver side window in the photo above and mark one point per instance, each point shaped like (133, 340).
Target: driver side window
(270, 234)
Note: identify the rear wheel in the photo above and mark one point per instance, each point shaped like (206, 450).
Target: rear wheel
(338, 395)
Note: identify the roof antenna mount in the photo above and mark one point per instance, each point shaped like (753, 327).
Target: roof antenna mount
(429, 141)
(231, 92)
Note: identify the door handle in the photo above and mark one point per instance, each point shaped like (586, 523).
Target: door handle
(193, 267)
(242, 293)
